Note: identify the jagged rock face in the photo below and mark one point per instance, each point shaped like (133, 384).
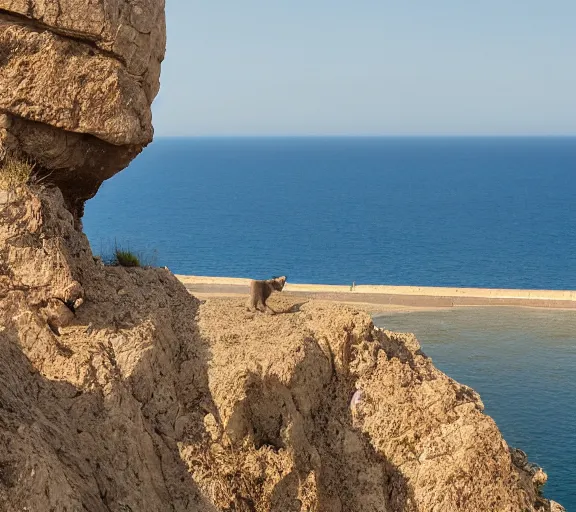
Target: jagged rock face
(86, 414)
(77, 79)
(119, 391)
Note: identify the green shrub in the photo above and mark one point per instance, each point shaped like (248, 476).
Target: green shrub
(126, 258)
(113, 254)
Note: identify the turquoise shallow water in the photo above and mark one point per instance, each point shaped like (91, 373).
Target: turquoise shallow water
(523, 363)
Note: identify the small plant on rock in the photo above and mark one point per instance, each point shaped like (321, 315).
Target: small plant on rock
(125, 258)
(119, 255)
(15, 172)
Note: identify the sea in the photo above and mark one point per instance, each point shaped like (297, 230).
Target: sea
(458, 212)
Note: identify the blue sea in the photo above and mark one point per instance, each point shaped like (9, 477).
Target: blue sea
(487, 212)
(478, 212)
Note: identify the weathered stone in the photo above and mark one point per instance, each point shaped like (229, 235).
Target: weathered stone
(4, 121)
(77, 79)
(77, 163)
(57, 315)
(65, 84)
(134, 31)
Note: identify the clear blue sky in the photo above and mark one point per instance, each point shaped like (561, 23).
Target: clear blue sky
(369, 67)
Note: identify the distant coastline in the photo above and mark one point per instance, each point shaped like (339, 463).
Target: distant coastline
(383, 295)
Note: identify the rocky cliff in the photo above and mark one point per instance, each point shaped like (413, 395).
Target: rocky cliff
(77, 78)
(119, 391)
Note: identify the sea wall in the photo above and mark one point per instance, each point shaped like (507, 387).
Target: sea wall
(417, 296)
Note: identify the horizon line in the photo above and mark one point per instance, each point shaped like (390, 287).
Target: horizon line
(368, 136)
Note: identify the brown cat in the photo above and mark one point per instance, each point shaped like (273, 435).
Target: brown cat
(261, 290)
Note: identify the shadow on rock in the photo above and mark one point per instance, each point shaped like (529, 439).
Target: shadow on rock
(88, 419)
(288, 440)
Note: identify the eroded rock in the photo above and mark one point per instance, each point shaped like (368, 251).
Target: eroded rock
(131, 31)
(77, 79)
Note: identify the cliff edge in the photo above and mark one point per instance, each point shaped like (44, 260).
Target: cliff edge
(119, 391)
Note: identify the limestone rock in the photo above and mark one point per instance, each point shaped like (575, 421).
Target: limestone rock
(72, 87)
(556, 507)
(77, 79)
(132, 31)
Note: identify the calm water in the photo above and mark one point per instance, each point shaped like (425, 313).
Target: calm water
(523, 363)
(447, 212)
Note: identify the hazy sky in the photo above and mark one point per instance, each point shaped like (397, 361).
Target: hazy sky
(373, 67)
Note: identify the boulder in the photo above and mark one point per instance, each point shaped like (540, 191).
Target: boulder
(77, 80)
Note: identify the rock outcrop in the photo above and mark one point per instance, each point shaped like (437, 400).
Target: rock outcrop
(119, 391)
(77, 79)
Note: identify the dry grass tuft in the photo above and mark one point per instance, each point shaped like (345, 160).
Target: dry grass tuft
(15, 172)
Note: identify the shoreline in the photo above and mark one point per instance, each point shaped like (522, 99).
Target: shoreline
(385, 297)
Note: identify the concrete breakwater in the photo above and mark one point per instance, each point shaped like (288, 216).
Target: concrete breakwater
(416, 296)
